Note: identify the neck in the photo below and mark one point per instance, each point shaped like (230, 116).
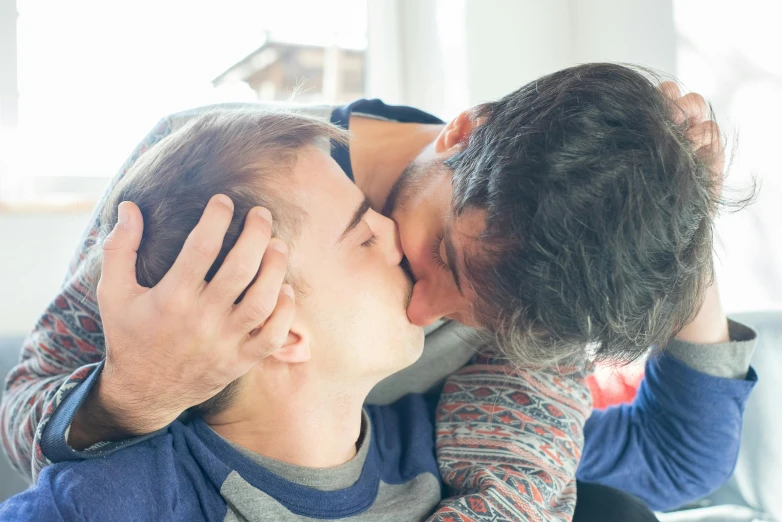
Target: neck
(381, 150)
(296, 424)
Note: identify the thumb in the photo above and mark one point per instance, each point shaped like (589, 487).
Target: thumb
(120, 250)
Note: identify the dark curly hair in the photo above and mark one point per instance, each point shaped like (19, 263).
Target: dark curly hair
(599, 217)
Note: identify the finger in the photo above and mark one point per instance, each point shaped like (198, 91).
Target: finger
(261, 298)
(200, 249)
(694, 106)
(120, 250)
(670, 90)
(709, 147)
(242, 263)
(704, 134)
(274, 332)
(671, 96)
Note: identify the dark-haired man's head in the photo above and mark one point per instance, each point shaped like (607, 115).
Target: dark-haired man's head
(571, 212)
(350, 328)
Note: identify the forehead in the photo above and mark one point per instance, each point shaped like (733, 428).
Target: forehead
(320, 190)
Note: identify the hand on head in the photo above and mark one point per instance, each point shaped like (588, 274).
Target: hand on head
(179, 343)
(702, 131)
(709, 325)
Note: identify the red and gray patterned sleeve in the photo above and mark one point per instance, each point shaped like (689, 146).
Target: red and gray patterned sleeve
(509, 442)
(67, 337)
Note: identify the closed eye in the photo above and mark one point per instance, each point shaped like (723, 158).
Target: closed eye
(370, 242)
(436, 257)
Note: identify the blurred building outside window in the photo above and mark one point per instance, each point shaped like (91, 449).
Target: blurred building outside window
(94, 77)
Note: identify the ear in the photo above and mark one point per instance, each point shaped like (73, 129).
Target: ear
(457, 132)
(295, 349)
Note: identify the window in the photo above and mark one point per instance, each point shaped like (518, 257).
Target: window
(95, 76)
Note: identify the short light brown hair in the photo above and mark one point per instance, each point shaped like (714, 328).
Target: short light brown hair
(244, 154)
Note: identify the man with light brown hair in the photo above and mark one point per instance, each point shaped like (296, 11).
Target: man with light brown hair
(290, 438)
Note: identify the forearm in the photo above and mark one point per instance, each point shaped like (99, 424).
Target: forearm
(64, 439)
(679, 439)
(500, 432)
(710, 325)
(711, 343)
(93, 423)
(66, 338)
(100, 418)
(23, 404)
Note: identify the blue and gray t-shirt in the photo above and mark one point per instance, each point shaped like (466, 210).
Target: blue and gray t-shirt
(190, 473)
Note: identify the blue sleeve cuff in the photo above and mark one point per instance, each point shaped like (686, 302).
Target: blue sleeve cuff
(677, 387)
(54, 442)
(678, 440)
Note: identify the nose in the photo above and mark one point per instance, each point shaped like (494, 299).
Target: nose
(395, 248)
(431, 302)
(392, 244)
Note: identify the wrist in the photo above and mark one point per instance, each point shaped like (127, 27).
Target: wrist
(108, 414)
(710, 325)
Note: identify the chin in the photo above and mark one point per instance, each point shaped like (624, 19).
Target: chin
(410, 348)
(417, 345)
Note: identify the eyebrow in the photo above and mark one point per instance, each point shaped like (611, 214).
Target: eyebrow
(450, 253)
(358, 215)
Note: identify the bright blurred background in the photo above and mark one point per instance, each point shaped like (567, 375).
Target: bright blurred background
(81, 82)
